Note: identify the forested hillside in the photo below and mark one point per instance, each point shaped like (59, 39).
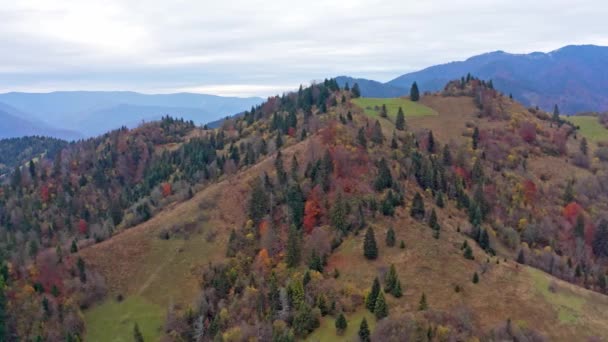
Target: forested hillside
(309, 217)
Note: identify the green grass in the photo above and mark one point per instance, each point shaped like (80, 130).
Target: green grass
(327, 330)
(410, 108)
(113, 321)
(590, 127)
(567, 304)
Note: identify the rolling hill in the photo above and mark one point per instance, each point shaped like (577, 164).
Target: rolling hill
(573, 77)
(15, 123)
(478, 219)
(93, 113)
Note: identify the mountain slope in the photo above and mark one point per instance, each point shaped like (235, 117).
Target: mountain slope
(574, 77)
(94, 113)
(15, 123)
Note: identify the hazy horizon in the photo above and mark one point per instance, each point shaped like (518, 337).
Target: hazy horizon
(253, 48)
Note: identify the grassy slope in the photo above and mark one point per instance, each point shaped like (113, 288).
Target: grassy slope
(159, 272)
(590, 127)
(136, 263)
(410, 109)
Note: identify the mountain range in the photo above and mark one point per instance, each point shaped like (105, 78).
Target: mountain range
(574, 77)
(89, 113)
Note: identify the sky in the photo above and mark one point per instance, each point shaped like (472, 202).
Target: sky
(260, 48)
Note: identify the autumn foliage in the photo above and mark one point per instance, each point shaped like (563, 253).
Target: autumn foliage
(312, 210)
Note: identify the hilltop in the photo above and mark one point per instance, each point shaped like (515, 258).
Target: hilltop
(480, 218)
(573, 77)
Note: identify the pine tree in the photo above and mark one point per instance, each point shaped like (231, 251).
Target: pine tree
(293, 247)
(521, 259)
(397, 292)
(370, 250)
(391, 279)
(579, 228)
(356, 91)
(380, 309)
(569, 192)
(81, 270)
(137, 336)
(341, 324)
(475, 138)
(447, 155)
(315, 262)
(338, 214)
(384, 179)
(433, 220)
(402, 244)
(390, 237)
(584, 146)
(556, 113)
(361, 139)
(417, 209)
(468, 252)
(258, 202)
(383, 111)
(377, 136)
(400, 121)
(422, 305)
(600, 240)
(484, 240)
(74, 247)
(370, 300)
(439, 201)
(431, 143)
(364, 333)
(414, 92)
(475, 278)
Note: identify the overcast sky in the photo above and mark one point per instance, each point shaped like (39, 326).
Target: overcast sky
(253, 47)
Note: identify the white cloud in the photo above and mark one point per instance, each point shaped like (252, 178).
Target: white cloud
(256, 46)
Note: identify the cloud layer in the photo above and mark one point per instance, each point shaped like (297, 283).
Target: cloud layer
(263, 47)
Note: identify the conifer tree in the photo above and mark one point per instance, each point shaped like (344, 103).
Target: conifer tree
(584, 146)
(370, 300)
(383, 111)
(341, 324)
(468, 252)
(390, 237)
(579, 228)
(402, 244)
(384, 179)
(521, 257)
(417, 209)
(338, 214)
(431, 143)
(137, 336)
(440, 203)
(414, 92)
(600, 240)
(361, 139)
(73, 247)
(293, 247)
(433, 220)
(377, 136)
(381, 308)
(422, 305)
(400, 121)
(475, 278)
(315, 262)
(356, 91)
(447, 155)
(556, 113)
(475, 138)
(364, 333)
(258, 202)
(370, 249)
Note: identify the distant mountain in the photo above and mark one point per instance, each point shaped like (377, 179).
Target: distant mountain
(371, 88)
(574, 77)
(94, 113)
(14, 123)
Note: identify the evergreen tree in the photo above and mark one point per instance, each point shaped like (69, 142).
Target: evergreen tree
(556, 117)
(370, 250)
(484, 240)
(278, 165)
(295, 203)
(600, 240)
(258, 202)
(521, 257)
(475, 278)
(315, 263)
(447, 155)
(579, 228)
(81, 270)
(394, 144)
(384, 179)
(423, 304)
(293, 247)
(74, 247)
(402, 244)
(361, 139)
(341, 324)
(431, 143)
(414, 92)
(439, 201)
(383, 111)
(364, 333)
(390, 237)
(370, 300)
(400, 121)
(137, 336)
(417, 209)
(274, 294)
(584, 146)
(468, 252)
(349, 116)
(391, 280)
(338, 214)
(377, 136)
(397, 292)
(380, 309)
(433, 220)
(569, 192)
(475, 138)
(356, 91)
